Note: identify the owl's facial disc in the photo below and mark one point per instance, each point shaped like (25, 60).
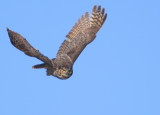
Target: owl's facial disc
(63, 73)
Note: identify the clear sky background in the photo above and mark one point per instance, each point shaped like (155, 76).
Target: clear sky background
(117, 74)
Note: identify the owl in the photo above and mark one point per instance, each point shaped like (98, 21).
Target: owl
(81, 34)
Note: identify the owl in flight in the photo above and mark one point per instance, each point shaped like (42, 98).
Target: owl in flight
(82, 33)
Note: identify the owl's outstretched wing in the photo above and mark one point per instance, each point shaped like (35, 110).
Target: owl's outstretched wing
(82, 33)
(22, 44)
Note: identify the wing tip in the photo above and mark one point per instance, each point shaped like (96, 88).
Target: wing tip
(94, 8)
(98, 8)
(98, 13)
(8, 30)
(105, 17)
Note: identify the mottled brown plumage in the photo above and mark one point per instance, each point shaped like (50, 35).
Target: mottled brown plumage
(82, 33)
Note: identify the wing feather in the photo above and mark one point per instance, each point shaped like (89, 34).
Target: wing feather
(22, 44)
(82, 33)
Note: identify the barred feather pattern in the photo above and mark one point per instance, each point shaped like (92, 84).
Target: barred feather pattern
(81, 34)
(96, 19)
(80, 26)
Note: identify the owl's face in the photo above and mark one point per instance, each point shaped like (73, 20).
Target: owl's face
(63, 73)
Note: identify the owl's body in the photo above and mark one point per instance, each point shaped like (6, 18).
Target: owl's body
(82, 33)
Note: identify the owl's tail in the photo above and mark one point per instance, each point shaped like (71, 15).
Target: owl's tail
(39, 66)
(44, 66)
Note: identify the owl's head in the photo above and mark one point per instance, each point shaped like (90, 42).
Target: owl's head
(61, 73)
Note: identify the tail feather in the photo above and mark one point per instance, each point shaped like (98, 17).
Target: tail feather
(40, 66)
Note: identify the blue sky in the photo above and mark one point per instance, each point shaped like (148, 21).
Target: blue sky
(117, 74)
